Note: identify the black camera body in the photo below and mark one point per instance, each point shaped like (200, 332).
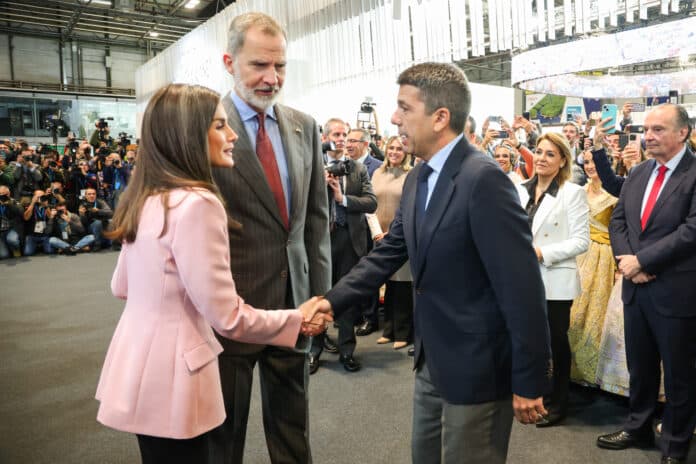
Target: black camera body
(328, 146)
(340, 169)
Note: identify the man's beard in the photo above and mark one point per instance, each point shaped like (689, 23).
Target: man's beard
(248, 94)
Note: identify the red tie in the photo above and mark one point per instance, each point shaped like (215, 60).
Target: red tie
(264, 150)
(652, 198)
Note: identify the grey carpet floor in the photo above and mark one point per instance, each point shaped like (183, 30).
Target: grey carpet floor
(56, 319)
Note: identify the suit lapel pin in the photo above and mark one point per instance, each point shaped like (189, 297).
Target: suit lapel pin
(298, 130)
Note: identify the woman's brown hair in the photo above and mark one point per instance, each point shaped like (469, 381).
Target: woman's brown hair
(173, 153)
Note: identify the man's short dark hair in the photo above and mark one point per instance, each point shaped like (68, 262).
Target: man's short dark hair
(441, 85)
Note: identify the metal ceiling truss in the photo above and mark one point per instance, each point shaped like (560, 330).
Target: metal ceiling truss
(82, 21)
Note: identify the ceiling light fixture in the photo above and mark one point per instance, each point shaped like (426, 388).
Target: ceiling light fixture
(154, 34)
(191, 4)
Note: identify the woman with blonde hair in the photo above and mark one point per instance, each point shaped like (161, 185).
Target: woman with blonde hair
(558, 216)
(160, 378)
(387, 183)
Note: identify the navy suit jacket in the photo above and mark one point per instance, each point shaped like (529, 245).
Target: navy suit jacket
(667, 246)
(371, 163)
(479, 316)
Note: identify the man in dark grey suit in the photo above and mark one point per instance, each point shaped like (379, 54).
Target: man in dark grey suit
(281, 253)
(653, 236)
(358, 149)
(481, 336)
(350, 197)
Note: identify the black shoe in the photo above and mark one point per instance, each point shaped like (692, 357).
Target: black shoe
(349, 363)
(550, 420)
(70, 251)
(313, 363)
(672, 460)
(330, 345)
(411, 352)
(622, 439)
(366, 328)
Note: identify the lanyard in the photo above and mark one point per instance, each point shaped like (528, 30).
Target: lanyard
(40, 213)
(3, 208)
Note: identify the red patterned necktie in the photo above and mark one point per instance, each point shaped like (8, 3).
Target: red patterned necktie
(652, 198)
(264, 150)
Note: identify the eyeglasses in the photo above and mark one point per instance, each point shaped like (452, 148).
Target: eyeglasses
(356, 141)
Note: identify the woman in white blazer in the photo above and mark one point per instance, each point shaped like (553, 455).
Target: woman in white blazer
(559, 218)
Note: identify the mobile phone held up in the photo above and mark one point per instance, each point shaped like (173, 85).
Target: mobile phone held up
(609, 111)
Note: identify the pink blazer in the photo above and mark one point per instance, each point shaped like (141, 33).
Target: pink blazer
(160, 376)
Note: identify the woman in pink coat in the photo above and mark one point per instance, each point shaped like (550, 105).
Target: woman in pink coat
(160, 379)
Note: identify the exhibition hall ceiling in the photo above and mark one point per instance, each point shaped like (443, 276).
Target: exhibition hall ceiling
(145, 24)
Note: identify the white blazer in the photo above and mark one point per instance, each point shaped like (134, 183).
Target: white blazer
(561, 230)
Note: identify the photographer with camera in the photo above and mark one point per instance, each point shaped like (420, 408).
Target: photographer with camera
(7, 170)
(350, 197)
(51, 170)
(96, 213)
(101, 134)
(27, 175)
(38, 224)
(115, 178)
(69, 229)
(10, 214)
(80, 180)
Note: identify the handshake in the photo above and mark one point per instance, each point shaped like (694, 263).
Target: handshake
(317, 314)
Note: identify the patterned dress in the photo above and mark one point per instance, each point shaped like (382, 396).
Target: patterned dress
(596, 268)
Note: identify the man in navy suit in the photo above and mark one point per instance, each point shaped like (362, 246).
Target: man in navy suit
(653, 236)
(481, 336)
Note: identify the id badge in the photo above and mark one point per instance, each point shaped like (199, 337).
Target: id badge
(65, 235)
(40, 227)
(82, 193)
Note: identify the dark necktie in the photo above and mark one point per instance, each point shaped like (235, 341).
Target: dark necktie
(422, 193)
(264, 150)
(652, 198)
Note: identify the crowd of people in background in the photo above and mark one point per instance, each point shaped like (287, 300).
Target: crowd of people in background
(60, 202)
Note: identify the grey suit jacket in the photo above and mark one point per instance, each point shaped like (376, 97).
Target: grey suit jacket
(267, 260)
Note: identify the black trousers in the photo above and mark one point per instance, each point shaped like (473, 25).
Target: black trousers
(157, 450)
(558, 313)
(343, 258)
(398, 311)
(651, 338)
(283, 379)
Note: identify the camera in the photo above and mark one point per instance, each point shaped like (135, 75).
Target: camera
(103, 125)
(340, 169)
(52, 164)
(367, 107)
(328, 146)
(117, 163)
(123, 139)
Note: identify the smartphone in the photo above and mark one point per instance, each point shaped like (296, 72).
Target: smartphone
(636, 129)
(525, 115)
(623, 141)
(502, 135)
(637, 107)
(633, 137)
(494, 119)
(609, 111)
